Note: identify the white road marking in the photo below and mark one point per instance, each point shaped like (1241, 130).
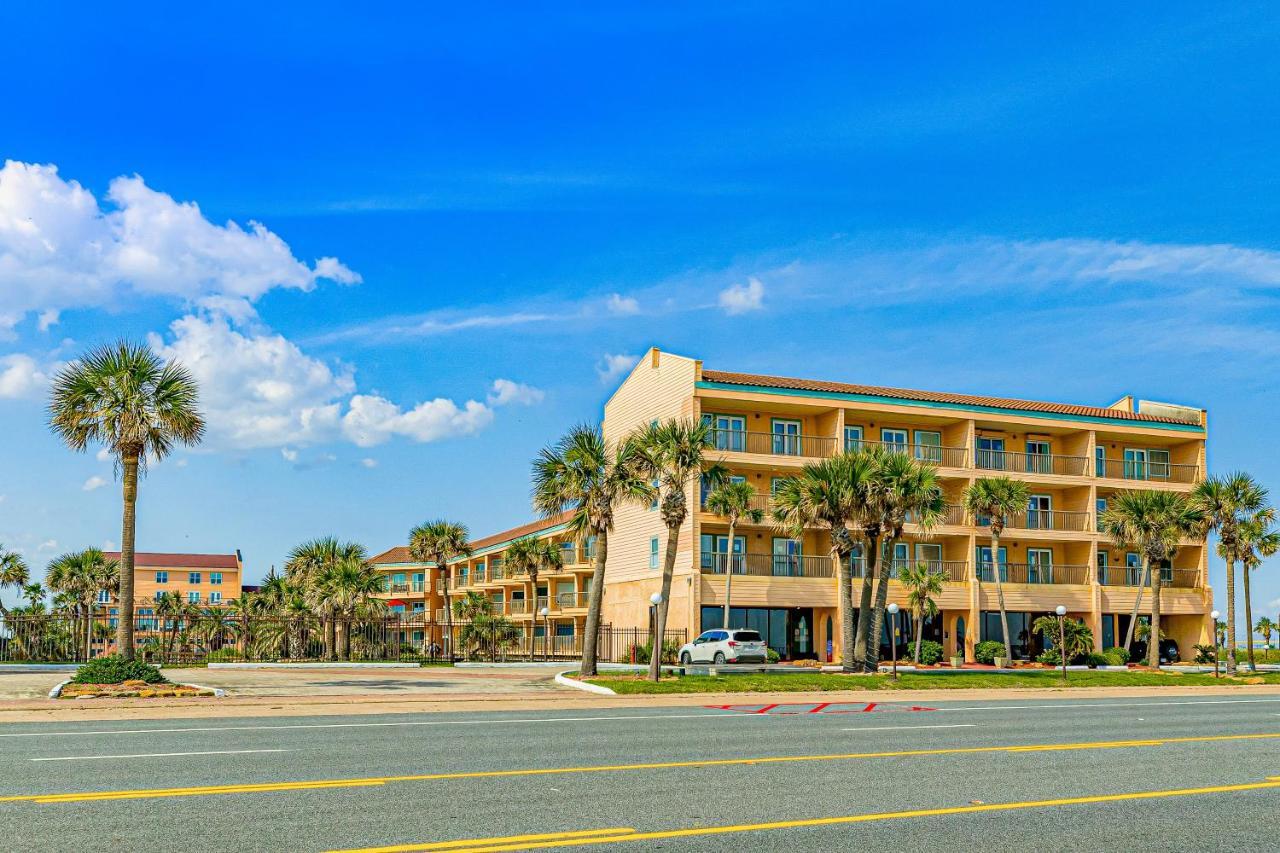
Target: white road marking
(1106, 705)
(156, 754)
(886, 728)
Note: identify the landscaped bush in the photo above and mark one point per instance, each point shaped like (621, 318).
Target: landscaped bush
(113, 669)
(1097, 659)
(1206, 653)
(1051, 657)
(771, 656)
(1118, 654)
(930, 652)
(669, 651)
(988, 650)
(224, 654)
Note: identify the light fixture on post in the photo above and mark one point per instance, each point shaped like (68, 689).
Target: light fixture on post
(893, 637)
(1214, 616)
(1062, 638)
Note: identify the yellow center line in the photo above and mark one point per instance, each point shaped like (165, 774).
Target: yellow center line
(545, 837)
(494, 845)
(148, 793)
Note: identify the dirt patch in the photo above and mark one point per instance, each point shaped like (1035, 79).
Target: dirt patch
(131, 690)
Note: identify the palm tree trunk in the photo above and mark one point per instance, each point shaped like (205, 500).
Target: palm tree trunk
(728, 571)
(919, 617)
(1004, 617)
(594, 602)
(660, 614)
(1248, 616)
(858, 641)
(1231, 617)
(877, 612)
(1137, 602)
(88, 634)
(844, 593)
(1153, 641)
(124, 628)
(533, 624)
(448, 610)
(330, 635)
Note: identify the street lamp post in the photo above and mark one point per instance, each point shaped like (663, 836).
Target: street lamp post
(893, 637)
(1062, 638)
(546, 633)
(655, 643)
(1214, 617)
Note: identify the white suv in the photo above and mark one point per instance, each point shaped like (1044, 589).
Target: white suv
(720, 646)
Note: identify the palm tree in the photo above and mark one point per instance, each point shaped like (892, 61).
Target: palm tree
(1266, 628)
(831, 494)
(1152, 523)
(439, 542)
(138, 407)
(995, 499)
(907, 489)
(733, 501)
(346, 587)
(923, 585)
(309, 562)
(13, 572)
(1078, 637)
(674, 454)
(533, 555)
(587, 476)
(1226, 503)
(33, 593)
(81, 575)
(482, 628)
(1256, 541)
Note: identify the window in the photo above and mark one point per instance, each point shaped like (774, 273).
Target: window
(1099, 509)
(1100, 461)
(1103, 560)
(931, 555)
(786, 557)
(1132, 569)
(852, 437)
(715, 553)
(162, 578)
(215, 598)
(1039, 457)
(104, 596)
(901, 556)
(418, 607)
(193, 578)
(1039, 565)
(728, 432)
(1135, 463)
(894, 439)
(653, 553)
(775, 483)
(1040, 512)
(215, 578)
(929, 446)
(985, 568)
(786, 437)
(991, 453)
(656, 495)
(193, 597)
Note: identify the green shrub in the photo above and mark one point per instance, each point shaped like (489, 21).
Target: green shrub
(1049, 657)
(1097, 659)
(225, 653)
(930, 652)
(771, 656)
(669, 651)
(1206, 653)
(1118, 654)
(113, 669)
(988, 650)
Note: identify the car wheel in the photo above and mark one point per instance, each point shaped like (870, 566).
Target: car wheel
(719, 658)
(685, 660)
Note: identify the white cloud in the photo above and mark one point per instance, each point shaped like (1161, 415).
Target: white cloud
(1273, 604)
(611, 366)
(289, 454)
(372, 420)
(47, 546)
(20, 376)
(59, 248)
(103, 455)
(48, 319)
(623, 306)
(94, 482)
(181, 463)
(505, 392)
(741, 298)
(369, 462)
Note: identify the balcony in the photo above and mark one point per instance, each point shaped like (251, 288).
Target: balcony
(771, 444)
(768, 565)
(397, 588)
(573, 600)
(1051, 519)
(1146, 472)
(518, 607)
(1031, 463)
(759, 501)
(1035, 573)
(952, 571)
(1132, 576)
(944, 457)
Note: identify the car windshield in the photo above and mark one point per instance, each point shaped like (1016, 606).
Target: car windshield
(747, 636)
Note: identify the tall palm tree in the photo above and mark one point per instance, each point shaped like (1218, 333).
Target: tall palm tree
(923, 586)
(831, 494)
(309, 562)
(996, 498)
(1256, 541)
(347, 586)
(33, 593)
(138, 407)
(534, 555)
(1152, 523)
(589, 477)
(82, 575)
(733, 501)
(908, 489)
(13, 572)
(675, 455)
(1265, 627)
(1226, 503)
(439, 542)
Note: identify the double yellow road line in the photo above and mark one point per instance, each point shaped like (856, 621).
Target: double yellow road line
(374, 781)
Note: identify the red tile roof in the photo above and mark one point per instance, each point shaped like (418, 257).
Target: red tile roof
(400, 553)
(150, 560)
(728, 378)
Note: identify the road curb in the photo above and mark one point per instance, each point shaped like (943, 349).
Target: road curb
(563, 679)
(57, 689)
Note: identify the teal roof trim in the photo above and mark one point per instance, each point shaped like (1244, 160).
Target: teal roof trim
(929, 404)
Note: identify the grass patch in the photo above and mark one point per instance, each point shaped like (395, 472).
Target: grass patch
(820, 682)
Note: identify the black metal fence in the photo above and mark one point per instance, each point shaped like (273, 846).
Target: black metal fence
(215, 638)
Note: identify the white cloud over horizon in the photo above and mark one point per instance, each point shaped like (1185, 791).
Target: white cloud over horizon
(20, 376)
(612, 365)
(93, 483)
(741, 298)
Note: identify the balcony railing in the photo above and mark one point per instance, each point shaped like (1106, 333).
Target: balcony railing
(1132, 576)
(1051, 519)
(773, 444)
(496, 573)
(1035, 573)
(1157, 472)
(570, 600)
(760, 501)
(1031, 463)
(952, 571)
(397, 587)
(946, 457)
(518, 606)
(767, 565)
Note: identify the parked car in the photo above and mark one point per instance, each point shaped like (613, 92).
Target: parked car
(1168, 651)
(725, 646)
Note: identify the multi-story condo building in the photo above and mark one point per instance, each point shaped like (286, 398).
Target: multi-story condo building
(1074, 458)
(204, 579)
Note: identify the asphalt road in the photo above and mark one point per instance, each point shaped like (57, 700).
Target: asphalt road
(986, 775)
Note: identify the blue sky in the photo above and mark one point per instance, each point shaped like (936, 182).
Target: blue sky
(1073, 204)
